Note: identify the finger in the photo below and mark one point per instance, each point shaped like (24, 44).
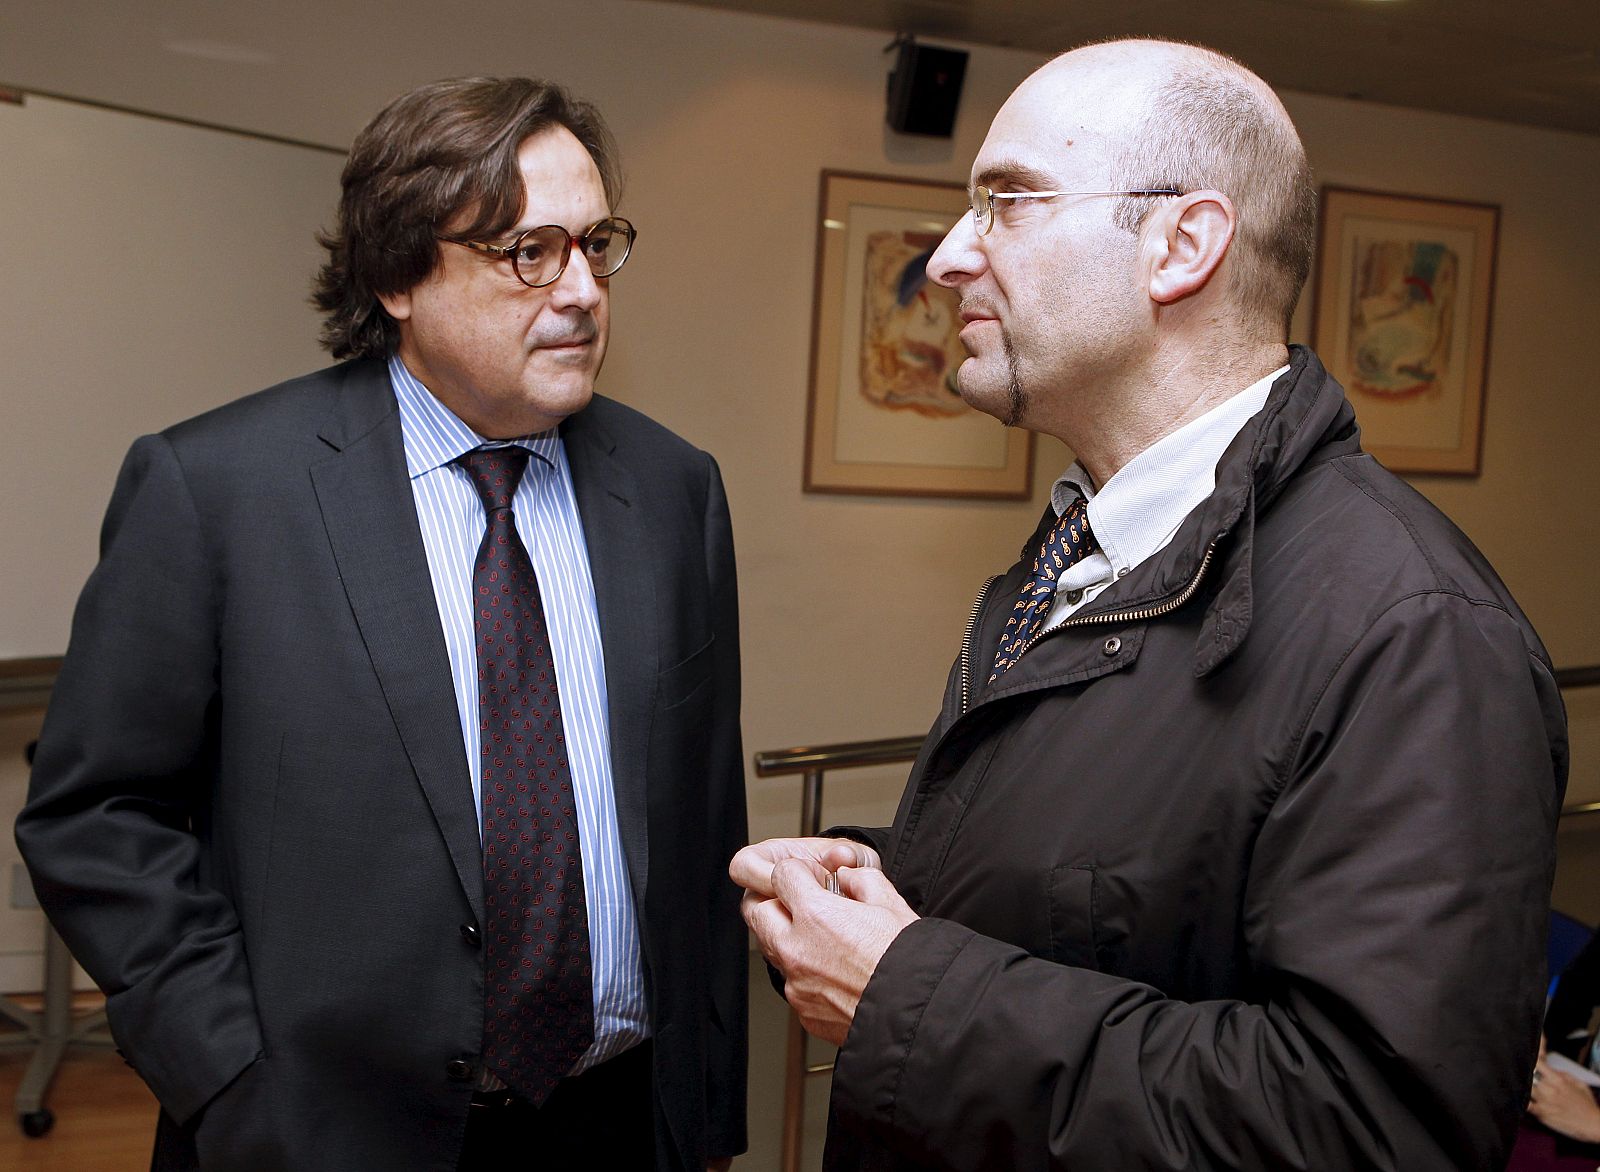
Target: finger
(752, 906)
(751, 868)
(798, 881)
(841, 852)
(747, 908)
(767, 919)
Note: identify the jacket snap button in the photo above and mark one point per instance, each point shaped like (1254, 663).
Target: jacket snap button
(469, 933)
(457, 1070)
(1112, 646)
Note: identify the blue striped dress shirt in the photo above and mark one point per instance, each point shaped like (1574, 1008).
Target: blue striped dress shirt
(546, 513)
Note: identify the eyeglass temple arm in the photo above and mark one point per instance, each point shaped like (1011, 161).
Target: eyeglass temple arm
(994, 195)
(478, 246)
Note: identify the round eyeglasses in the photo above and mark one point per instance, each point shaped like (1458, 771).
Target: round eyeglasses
(539, 255)
(983, 201)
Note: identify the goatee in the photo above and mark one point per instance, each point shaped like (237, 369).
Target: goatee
(1016, 397)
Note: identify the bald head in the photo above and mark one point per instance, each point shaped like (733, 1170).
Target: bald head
(1168, 115)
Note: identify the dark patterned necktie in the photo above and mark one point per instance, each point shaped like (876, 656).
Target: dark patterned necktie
(539, 1002)
(1068, 542)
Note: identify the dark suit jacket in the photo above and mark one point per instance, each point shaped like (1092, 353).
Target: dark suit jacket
(251, 816)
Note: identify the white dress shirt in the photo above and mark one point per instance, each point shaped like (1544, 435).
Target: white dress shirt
(1138, 511)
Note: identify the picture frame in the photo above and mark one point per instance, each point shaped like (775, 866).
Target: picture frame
(1403, 303)
(883, 416)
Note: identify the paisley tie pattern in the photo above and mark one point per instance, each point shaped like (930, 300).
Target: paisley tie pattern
(1069, 541)
(538, 996)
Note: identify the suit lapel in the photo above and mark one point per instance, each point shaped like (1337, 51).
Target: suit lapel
(614, 532)
(365, 496)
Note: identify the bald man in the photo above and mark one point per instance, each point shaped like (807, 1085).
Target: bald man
(1231, 846)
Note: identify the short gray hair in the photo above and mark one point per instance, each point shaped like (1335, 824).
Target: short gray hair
(1210, 125)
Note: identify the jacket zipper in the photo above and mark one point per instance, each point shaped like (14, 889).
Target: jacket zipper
(1124, 616)
(966, 644)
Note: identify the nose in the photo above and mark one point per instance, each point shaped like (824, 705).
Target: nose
(959, 257)
(576, 287)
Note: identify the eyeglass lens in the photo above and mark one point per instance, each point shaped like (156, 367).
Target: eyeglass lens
(540, 255)
(982, 209)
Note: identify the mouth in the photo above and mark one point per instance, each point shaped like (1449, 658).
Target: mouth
(974, 310)
(568, 348)
(970, 330)
(577, 343)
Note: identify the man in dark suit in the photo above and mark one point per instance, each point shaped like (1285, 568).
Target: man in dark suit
(390, 778)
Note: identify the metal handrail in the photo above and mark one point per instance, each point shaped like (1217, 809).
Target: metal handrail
(1578, 677)
(846, 755)
(26, 683)
(812, 761)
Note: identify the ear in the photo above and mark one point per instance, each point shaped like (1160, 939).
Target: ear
(398, 305)
(1193, 235)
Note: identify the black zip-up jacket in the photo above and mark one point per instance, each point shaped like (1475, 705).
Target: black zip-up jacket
(1247, 865)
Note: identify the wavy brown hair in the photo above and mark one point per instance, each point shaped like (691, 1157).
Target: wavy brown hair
(444, 151)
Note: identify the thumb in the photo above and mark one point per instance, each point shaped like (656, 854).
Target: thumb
(872, 886)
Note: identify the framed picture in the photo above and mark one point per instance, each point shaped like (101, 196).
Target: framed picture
(884, 416)
(1401, 318)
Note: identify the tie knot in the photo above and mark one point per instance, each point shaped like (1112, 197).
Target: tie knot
(1071, 534)
(495, 473)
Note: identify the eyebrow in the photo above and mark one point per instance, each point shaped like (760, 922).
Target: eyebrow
(1008, 173)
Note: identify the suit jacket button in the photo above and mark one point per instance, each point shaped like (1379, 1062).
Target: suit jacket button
(458, 1070)
(469, 933)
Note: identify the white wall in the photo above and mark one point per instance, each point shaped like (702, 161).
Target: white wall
(725, 122)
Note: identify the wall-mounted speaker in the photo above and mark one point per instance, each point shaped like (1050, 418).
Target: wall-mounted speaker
(925, 89)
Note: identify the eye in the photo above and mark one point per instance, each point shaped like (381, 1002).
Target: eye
(533, 251)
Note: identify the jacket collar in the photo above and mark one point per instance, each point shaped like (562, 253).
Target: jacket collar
(363, 400)
(1306, 419)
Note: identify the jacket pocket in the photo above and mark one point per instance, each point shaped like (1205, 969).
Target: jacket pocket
(1074, 891)
(682, 680)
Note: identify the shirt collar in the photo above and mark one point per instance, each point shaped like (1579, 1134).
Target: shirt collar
(434, 435)
(1138, 510)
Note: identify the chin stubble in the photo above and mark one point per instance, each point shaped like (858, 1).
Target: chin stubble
(1016, 397)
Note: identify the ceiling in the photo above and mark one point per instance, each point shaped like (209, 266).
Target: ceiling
(1535, 62)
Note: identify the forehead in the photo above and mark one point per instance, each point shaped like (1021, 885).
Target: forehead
(1058, 127)
(562, 183)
